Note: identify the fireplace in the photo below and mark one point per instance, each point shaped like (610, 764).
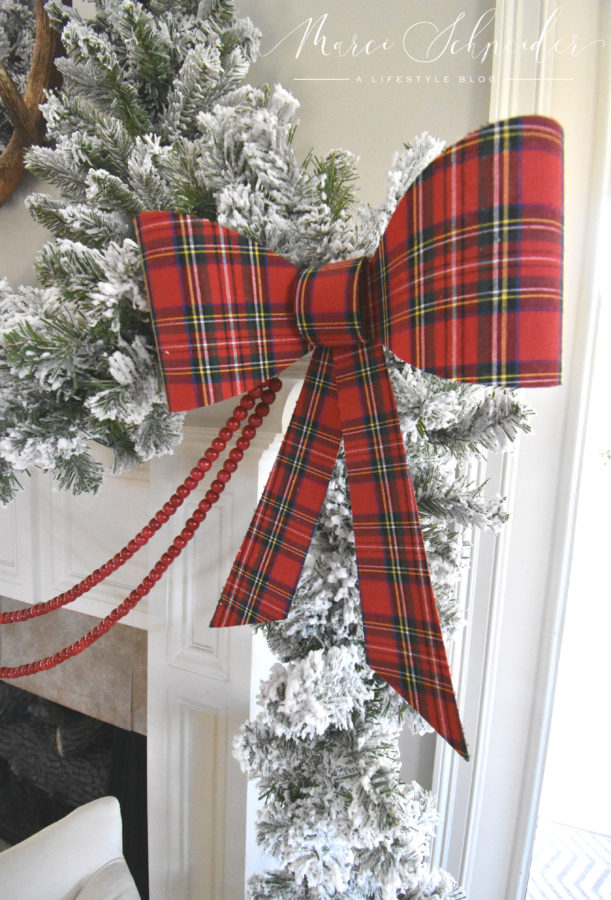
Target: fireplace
(75, 733)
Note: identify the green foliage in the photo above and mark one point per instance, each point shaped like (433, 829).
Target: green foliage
(338, 179)
(78, 472)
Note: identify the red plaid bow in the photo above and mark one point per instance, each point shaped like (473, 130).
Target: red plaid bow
(466, 284)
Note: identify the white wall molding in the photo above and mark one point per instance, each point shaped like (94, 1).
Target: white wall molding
(490, 808)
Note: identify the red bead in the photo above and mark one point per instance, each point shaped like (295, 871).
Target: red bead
(248, 431)
(191, 483)
(162, 516)
(268, 397)
(217, 486)
(255, 421)
(262, 409)
(191, 524)
(247, 402)
(230, 465)
(223, 476)
(242, 443)
(197, 474)
(236, 455)
(140, 539)
(181, 491)
(212, 454)
(274, 385)
(239, 413)
(169, 509)
(205, 464)
(232, 424)
(155, 574)
(154, 526)
(225, 434)
(256, 391)
(212, 496)
(204, 506)
(186, 534)
(159, 568)
(132, 547)
(179, 542)
(175, 501)
(199, 515)
(148, 532)
(173, 551)
(148, 583)
(219, 444)
(166, 559)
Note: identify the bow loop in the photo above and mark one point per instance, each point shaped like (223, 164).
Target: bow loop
(331, 304)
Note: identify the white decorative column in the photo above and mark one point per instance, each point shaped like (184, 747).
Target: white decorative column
(199, 681)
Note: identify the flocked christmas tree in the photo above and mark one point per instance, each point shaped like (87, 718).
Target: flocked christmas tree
(154, 113)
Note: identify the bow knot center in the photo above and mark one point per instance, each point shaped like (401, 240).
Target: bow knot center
(331, 304)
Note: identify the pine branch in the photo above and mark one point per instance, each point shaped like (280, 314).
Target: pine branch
(78, 222)
(339, 178)
(80, 473)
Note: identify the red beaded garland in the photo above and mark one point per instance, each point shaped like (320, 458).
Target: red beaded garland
(266, 393)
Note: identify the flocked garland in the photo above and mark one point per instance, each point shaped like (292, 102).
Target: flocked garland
(154, 113)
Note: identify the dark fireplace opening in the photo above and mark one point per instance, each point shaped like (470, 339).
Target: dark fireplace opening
(53, 759)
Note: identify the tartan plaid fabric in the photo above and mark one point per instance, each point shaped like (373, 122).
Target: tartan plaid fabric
(476, 247)
(267, 568)
(402, 631)
(222, 308)
(466, 283)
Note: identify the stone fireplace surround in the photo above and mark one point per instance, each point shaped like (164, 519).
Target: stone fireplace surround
(109, 686)
(106, 682)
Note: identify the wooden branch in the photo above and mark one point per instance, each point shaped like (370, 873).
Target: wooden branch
(14, 105)
(25, 114)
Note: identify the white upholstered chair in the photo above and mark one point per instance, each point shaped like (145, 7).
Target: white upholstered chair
(78, 858)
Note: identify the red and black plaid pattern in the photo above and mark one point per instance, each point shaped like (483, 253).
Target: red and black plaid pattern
(466, 283)
(475, 246)
(330, 303)
(402, 632)
(267, 568)
(222, 308)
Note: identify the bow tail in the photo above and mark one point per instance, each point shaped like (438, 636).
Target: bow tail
(267, 568)
(403, 639)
